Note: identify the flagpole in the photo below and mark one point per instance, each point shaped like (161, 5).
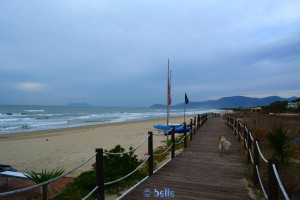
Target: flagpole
(184, 112)
(168, 89)
(168, 96)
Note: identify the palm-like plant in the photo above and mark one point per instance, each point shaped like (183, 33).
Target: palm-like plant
(43, 177)
(278, 142)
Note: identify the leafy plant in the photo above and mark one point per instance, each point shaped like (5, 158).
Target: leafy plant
(80, 187)
(278, 142)
(159, 150)
(115, 167)
(43, 177)
(177, 139)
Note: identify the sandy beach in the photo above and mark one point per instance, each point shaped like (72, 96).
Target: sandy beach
(67, 148)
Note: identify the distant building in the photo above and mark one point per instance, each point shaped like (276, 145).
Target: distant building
(293, 105)
(255, 109)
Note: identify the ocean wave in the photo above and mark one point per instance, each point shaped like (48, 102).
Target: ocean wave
(24, 118)
(34, 110)
(48, 124)
(8, 129)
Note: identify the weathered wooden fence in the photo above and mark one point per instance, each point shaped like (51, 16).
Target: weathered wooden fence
(252, 148)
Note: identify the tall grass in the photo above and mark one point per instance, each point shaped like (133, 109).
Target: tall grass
(262, 124)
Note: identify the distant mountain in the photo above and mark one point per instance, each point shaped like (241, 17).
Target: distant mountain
(78, 104)
(230, 102)
(158, 106)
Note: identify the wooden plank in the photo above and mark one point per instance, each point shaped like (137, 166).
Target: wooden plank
(200, 172)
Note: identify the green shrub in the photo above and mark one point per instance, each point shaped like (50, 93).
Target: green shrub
(278, 142)
(118, 166)
(177, 139)
(115, 167)
(160, 150)
(80, 187)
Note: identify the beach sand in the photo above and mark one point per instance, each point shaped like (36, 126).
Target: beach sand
(67, 148)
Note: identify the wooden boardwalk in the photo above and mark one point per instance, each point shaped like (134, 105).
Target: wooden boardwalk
(199, 172)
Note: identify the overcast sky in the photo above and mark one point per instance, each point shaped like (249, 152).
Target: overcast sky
(115, 52)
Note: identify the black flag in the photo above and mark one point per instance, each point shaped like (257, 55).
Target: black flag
(186, 99)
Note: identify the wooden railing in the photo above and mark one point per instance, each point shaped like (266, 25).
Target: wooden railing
(253, 151)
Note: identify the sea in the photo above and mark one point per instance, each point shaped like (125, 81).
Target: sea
(25, 118)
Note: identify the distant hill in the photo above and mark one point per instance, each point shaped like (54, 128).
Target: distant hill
(230, 102)
(78, 104)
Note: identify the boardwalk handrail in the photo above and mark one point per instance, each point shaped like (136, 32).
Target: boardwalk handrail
(90, 194)
(118, 180)
(49, 181)
(260, 182)
(168, 131)
(122, 178)
(101, 189)
(132, 188)
(180, 141)
(280, 183)
(131, 150)
(164, 151)
(273, 176)
(261, 155)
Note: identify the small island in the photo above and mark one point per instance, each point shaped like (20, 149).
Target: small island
(78, 105)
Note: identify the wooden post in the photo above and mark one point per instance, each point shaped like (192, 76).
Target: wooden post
(233, 123)
(100, 174)
(234, 128)
(198, 122)
(239, 131)
(184, 132)
(173, 142)
(191, 127)
(195, 125)
(245, 136)
(249, 142)
(150, 153)
(227, 120)
(256, 162)
(272, 181)
(236, 121)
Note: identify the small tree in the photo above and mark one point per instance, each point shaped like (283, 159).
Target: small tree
(43, 177)
(278, 142)
(117, 166)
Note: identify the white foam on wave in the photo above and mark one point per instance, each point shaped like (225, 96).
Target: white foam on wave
(34, 110)
(9, 120)
(48, 124)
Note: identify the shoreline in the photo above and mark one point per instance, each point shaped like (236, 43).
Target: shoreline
(83, 127)
(68, 147)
